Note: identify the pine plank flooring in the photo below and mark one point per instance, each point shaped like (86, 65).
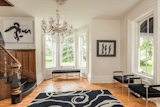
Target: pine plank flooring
(72, 84)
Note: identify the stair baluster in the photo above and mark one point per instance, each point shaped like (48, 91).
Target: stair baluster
(5, 66)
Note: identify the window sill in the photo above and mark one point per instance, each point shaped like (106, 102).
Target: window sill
(67, 65)
(143, 75)
(83, 66)
(50, 67)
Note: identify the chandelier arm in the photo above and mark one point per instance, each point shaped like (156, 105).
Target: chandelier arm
(49, 31)
(46, 31)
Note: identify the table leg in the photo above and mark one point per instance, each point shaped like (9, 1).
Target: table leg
(79, 77)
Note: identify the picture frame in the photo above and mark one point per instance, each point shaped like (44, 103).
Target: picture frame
(106, 48)
(18, 31)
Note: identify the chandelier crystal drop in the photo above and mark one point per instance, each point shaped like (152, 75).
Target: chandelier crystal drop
(57, 25)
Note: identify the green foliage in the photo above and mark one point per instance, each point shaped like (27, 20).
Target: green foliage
(149, 49)
(148, 56)
(84, 40)
(48, 51)
(67, 50)
(143, 62)
(84, 55)
(149, 69)
(84, 52)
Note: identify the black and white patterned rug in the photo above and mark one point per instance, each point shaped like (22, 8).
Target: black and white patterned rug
(97, 98)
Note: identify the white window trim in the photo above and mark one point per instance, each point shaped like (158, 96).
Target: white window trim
(138, 44)
(53, 55)
(132, 25)
(80, 51)
(79, 36)
(135, 45)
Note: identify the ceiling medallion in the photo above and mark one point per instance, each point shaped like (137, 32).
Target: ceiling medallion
(61, 2)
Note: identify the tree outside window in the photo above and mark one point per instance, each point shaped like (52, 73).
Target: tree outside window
(68, 51)
(49, 52)
(84, 50)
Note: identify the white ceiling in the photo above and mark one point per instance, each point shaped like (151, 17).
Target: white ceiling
(77, 11)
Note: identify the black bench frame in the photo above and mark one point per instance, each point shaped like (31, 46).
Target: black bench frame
(65, 73)
(147, 87)
(123, 84)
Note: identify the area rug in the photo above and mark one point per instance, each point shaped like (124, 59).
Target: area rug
(96, 98)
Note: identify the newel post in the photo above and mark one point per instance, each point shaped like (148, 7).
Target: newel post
(16, 94)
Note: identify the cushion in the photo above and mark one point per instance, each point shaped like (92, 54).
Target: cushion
(140, 89)
(119, 79)
(65, 71)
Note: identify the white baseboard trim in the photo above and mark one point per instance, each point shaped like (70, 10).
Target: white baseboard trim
(39, 78)
(100, 79)
(89, 78)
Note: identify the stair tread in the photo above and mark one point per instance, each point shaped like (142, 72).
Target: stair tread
(28, 86)
(23, 81)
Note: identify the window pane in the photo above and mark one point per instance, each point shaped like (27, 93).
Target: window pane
(68, 51)
(84, 58)
(142, 59)
(143, 34)
(84, 51)
(71, 58)
(84, 40)
(151, 29)
(150, 60)
(49, 55)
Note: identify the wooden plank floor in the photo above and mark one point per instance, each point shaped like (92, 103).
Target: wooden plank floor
(72, 84)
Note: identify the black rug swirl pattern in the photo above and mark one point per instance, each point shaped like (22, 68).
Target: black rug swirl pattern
(97, 98)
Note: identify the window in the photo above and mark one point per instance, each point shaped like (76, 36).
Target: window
(50, 50)
(146, 46)
(82, 47)
(67, 51)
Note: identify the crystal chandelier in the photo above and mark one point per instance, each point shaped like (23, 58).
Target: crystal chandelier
(57, 24)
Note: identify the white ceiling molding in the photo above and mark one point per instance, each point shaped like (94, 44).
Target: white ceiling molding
(78, 11)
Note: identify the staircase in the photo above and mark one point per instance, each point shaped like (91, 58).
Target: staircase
(27, 87)
(18, 74)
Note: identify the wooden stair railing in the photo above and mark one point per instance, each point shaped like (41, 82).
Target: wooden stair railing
(16, 94)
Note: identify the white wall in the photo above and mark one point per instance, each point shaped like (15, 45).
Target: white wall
(102, 67)
(39, 61)
(123, 43)
(17, 45)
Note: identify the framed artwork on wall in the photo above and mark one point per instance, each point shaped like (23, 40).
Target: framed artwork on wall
(106, 48)
(19, 31)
